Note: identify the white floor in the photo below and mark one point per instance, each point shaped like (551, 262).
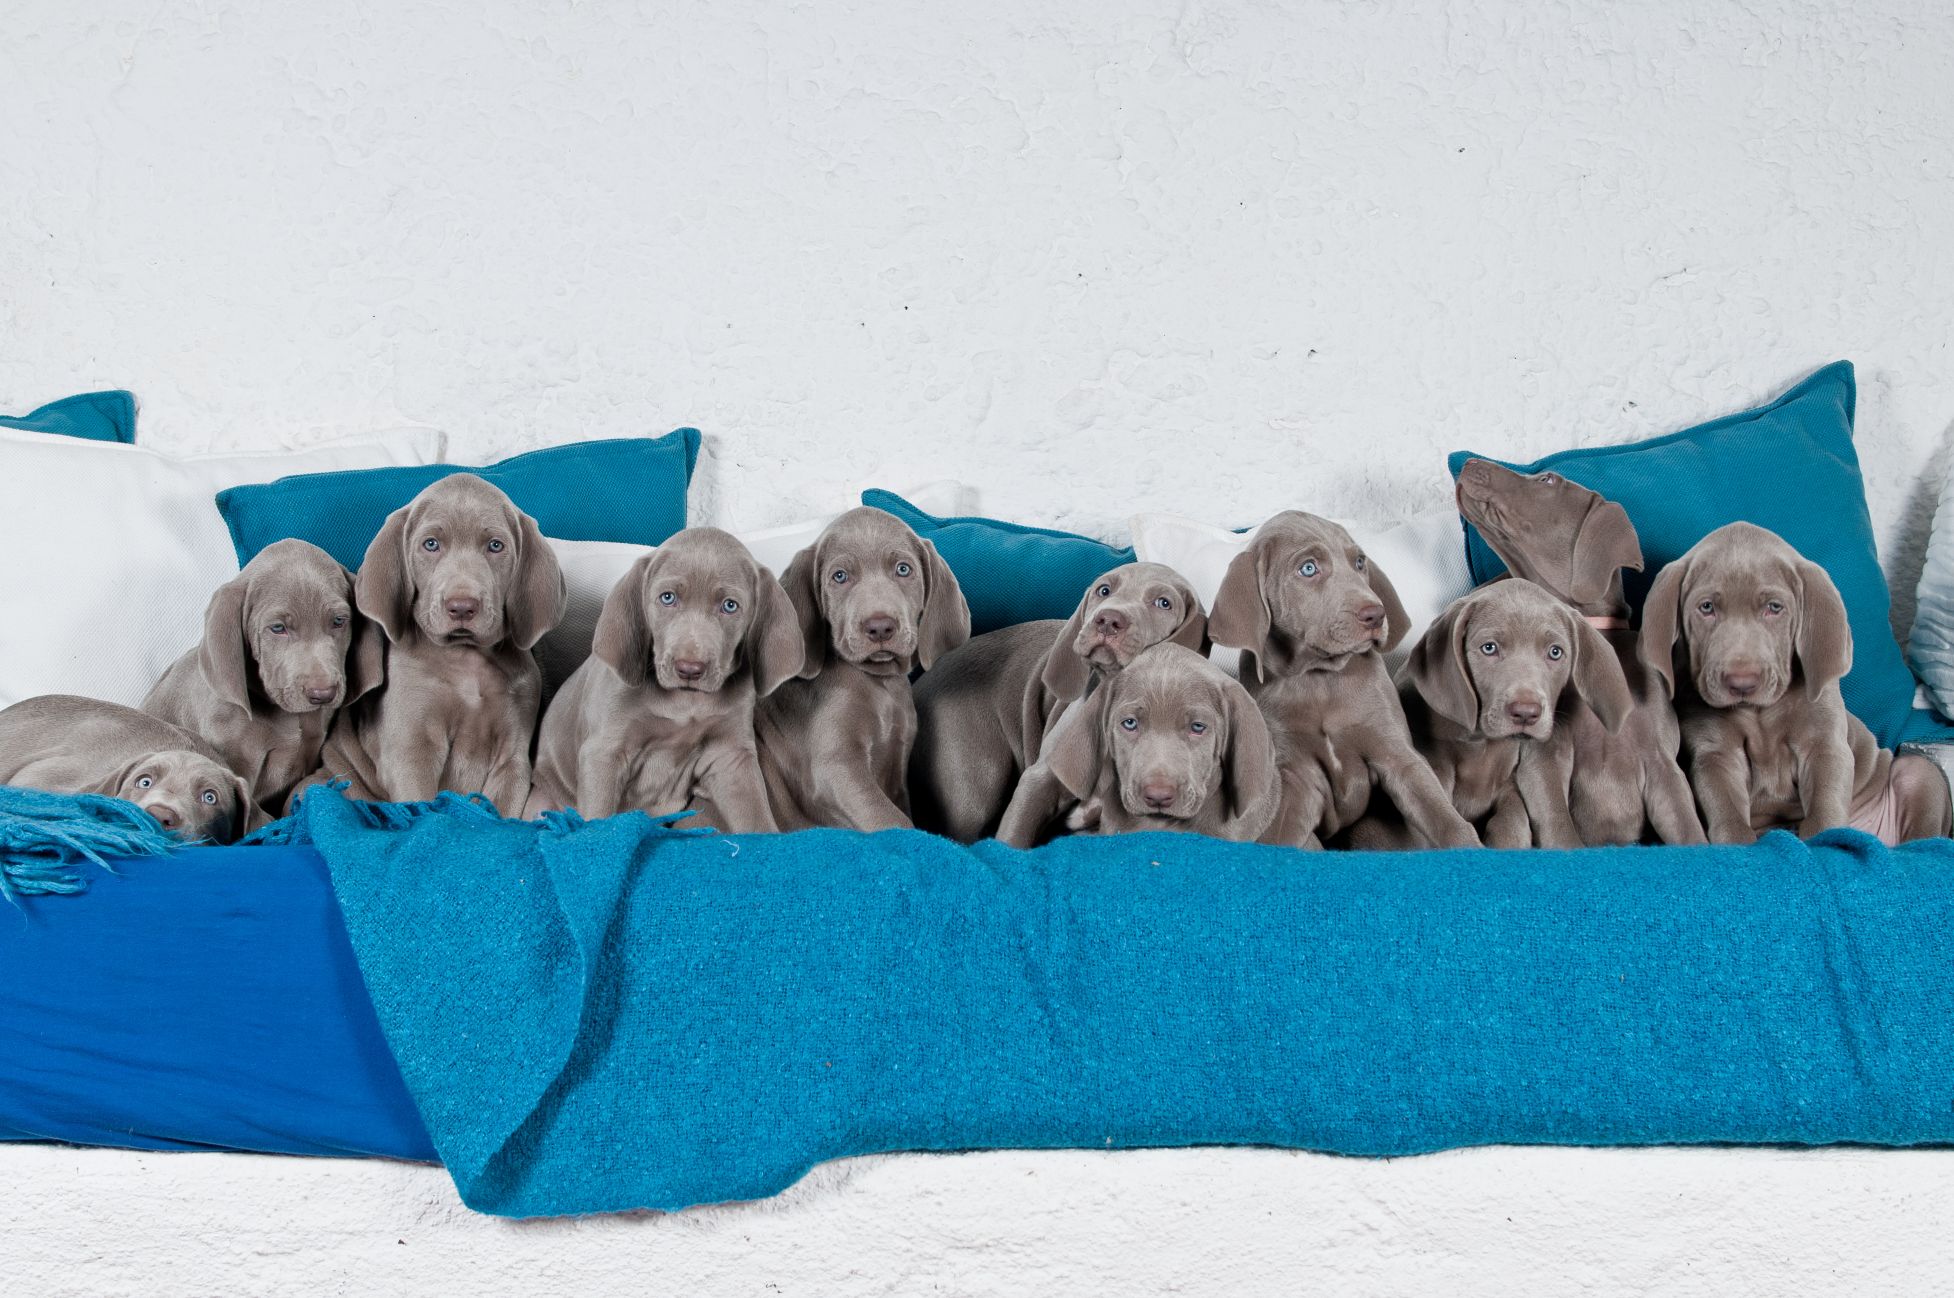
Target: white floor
(1493, 1221)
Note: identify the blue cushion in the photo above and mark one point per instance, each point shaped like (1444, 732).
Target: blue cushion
(1009, 573)
(623, 489)
(95, 416)
(1788, 466)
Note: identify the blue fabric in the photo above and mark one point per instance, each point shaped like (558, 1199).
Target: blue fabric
(620, 489)
(94, 416)
(45, 837)
(1009, 573)
(1789, 466)
(203, 1000)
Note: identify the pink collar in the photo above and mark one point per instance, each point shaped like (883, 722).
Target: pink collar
(1607, 623)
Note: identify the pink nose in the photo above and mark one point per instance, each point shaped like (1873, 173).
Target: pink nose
(1159, 794)
(1371, 615)
(1108, 623)
(1743, 684)
(320, 694)
(1524, 712)
(688, 669)
(880, 629)
(464, 610)
(164, 816)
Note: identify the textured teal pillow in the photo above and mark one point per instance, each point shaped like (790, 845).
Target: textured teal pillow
(1009, 573)
(96, 416)
(622, 489)
(1788, 466)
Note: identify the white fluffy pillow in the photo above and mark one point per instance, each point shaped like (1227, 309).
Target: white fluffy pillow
(592, 568)
(112, 552)
(1424, 557)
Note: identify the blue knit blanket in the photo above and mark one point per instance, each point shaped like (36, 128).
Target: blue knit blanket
(626, 1015)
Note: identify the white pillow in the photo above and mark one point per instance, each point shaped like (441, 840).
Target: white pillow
(1424, 557)
(592, 568)
(109, 553)
(1931, 646)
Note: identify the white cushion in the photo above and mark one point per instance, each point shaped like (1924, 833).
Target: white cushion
(1423, 556)
(109, 553)
(1931, 647)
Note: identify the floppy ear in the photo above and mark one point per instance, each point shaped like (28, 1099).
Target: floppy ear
(1240, 617)
(774, 642)
(383, 591)
(945, 623)
(535, 606)
(622, 639)
(803, 593)
(1397, 622)
(1597, 673)
(1192, 633)
(1824, 637)
(366, 661)
(1248, 768)
(223, 654)
(1605, 545)
(110, 786)
(246, 816)
(1071, 751)
(1066, 675)
(1655, 645)
(1437, 668)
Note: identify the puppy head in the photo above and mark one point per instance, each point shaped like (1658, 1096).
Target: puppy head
(694, 612)
(877, 594)
(287, 625)
(462, 565)
(1555, 533)
(1751, 614)
(1303, 596)
(1502, 660)
(1176, 732)
(194, 798)
(1127, 610)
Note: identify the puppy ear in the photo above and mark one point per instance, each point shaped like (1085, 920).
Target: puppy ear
(1396, 621)
(1066, 675)
(1824, 637)
(1655, 645)
(1437, 668)
(801, 584)
(1192, 633)
(1071, 751)
(1248, 768)
(1605, 544)
(223, 655)
(622, 639)
(945, 623)
(1597, 673)
(1240, 617)
(774, 641)
(366, 661)
(536, 604)
(110, 785)
(246, 816)
(383, 590)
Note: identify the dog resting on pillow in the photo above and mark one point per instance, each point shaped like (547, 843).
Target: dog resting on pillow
(65, 744)
(1752, 639)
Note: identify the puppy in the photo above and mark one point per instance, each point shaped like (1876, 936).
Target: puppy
(65, 744)
(283, 650)
(463, 584)
(1574, 544)
(1483, 689)
(660, 717)
(1752, 639)
(874, 600)
(1313, 618)
(982, 713)
(1171, 742)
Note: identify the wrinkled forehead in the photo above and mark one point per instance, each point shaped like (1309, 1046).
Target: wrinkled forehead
(1737, 564)
(1142, 581)
(704, 554)
(867, 533)
(462, 501)
(181, 765)
(1515, 612)
(301, 589)
(1169, 671)
(1295, 533)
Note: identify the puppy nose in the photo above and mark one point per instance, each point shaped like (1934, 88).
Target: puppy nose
(1523, 711)
(319, 694)
(880, 628)
(1371, 615)
(688, 669)
(464, 610)
(1743, 683)
(1108, 623)
(1159, 793)
(164, 816)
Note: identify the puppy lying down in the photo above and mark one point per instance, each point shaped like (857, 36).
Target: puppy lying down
(64, 744)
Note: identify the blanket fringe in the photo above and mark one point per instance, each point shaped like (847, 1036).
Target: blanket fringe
(44, 838)
(456, 806)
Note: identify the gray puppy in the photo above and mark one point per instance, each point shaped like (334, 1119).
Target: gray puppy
(283, 650)
(66, 744)
(660, 717)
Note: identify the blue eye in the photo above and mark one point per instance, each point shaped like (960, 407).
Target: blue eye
(1359, 562)
(1163, 602)
(1103, 591)
(840, 577)
(276, 628)
(495, 547)
(1309, 568)
(729, 606)
(1489, 648)
(666, 598)
(430, 545)
(339, 621)
(1130, 723)
(143, 781)
(1198, 727)
(1554, 651)
(210, 797)
(903, 570)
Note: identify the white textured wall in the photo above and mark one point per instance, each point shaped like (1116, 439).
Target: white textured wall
(1219, 257)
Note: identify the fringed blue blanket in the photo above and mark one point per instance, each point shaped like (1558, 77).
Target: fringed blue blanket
(46, 837)
(623, 1014)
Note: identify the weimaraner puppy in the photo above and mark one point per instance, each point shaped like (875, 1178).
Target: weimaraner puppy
(1483, 690)
(873, 600)
(660, 717)
(1170, 742)
(463, 584)
(66, 744)
(1752, 638)
(982, 713)
(1624, 785)
(283, 650)
(1313, 618)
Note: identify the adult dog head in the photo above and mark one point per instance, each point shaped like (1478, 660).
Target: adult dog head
(1303, 596)
(877, 595)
